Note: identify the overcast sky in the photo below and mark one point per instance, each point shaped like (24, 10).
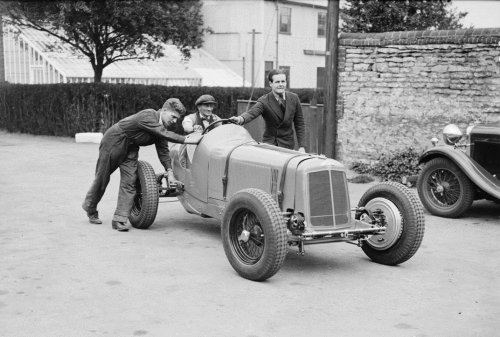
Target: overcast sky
(482, 14)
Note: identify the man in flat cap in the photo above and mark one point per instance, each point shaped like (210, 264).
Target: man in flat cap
(119, 148)
(198, 121)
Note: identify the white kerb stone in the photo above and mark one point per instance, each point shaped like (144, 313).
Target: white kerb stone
(88, 137)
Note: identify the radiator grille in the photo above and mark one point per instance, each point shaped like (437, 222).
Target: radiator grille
(340, 198)
(327, 192)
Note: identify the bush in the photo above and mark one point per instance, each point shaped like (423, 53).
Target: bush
(66, 109)
(392, 167)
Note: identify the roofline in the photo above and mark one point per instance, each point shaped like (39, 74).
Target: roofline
(47, 59)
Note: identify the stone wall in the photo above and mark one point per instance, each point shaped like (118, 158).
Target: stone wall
(400, 89)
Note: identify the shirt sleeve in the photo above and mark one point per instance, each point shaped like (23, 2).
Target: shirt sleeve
(187, 125)
(151, 125)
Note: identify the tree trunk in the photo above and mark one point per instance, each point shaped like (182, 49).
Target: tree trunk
(98, 73)
(98, 66)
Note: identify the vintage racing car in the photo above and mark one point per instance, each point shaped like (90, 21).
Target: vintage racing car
(457, 174)
(269, 197)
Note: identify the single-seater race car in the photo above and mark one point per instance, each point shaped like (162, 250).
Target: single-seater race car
(269, 198)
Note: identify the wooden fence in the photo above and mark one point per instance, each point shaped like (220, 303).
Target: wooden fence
(312, 119)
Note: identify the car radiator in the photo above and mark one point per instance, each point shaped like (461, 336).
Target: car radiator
(328, 199)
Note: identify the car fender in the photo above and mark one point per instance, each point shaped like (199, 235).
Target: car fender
(479, 176)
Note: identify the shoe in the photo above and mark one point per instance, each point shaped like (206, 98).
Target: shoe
(94, 218)
(120, 226)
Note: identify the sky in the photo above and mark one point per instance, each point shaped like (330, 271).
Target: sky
(482, 14)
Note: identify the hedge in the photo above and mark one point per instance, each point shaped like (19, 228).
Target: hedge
(66, 109)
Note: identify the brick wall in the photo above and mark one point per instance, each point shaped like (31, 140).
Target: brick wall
(399, 89)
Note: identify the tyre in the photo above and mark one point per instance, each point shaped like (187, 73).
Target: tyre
(143, 212)
(444, 189)
(405, 223)
(254, 234)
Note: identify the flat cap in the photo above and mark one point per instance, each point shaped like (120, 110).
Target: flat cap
(204, 99)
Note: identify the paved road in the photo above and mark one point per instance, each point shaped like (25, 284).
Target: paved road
(60, 276)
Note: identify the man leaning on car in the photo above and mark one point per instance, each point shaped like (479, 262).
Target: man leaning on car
(119, 148)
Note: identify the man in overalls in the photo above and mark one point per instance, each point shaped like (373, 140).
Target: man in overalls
(119, 148)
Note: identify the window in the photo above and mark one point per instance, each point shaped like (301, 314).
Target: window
(268, 67)
(320, 77)
(285, 20)
(321, 24)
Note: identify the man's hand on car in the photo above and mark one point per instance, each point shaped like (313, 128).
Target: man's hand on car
(302, 149)
(193, 138)
(172, 181)
(238, 120)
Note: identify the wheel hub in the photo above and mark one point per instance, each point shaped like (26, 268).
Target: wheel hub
(244, 236)
(394, 223)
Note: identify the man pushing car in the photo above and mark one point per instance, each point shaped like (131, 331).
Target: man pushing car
(120, 148)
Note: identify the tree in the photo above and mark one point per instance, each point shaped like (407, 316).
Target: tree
(113, 30)
(373, 16)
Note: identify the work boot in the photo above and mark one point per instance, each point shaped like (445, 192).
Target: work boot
(94, 218)
(120, 226)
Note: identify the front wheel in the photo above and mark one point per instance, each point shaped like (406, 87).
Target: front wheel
(405, 222)
(254, 234)
(444, 189)
(143, 212)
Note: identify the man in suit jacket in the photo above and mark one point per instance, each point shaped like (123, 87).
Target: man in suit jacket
(281, 110)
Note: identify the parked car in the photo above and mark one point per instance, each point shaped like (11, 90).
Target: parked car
(456, 174)
(269, 197)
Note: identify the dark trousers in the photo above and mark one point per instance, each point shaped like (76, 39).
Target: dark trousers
(114, 151)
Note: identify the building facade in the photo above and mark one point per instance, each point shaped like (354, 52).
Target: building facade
(254, 36)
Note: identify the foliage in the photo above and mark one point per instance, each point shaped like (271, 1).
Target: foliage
(66, 109)
(112, 30)
(392, 167)
(361, 179)
(374, 16)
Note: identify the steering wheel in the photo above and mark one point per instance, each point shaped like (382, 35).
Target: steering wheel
(212, 125)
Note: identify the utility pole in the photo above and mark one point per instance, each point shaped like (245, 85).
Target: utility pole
(277, 33)
(331, 67)
(253, 32)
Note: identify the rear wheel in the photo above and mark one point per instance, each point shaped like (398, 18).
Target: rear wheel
(143, 212)
(405, 221)
(254, 234)
(444, 189)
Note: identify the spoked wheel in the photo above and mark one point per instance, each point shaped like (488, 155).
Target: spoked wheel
(247, 237)
(254, 234)
(404, 218)
(444, 189)
(143, 212)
